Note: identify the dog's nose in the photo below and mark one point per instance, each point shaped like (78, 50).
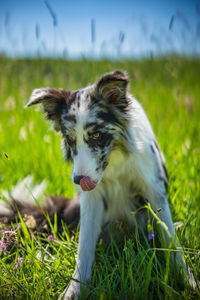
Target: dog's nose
(77, 179)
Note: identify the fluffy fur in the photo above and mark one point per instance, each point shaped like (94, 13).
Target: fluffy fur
(107, 136)
(27, 198)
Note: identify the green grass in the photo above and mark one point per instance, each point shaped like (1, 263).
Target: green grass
(169, 90)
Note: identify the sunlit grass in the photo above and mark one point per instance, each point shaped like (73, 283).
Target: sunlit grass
(169, 90)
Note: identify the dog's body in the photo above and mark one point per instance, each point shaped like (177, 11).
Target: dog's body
(116, 161)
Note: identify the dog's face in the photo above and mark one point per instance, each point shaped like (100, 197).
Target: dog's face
(92, 122)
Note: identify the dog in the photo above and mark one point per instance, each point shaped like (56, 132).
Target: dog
(118, 166)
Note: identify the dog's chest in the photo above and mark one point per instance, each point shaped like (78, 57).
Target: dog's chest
(120, 190)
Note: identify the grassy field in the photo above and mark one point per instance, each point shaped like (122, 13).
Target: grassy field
(169, 90)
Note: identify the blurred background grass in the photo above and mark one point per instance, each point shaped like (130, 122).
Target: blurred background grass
(168, 89)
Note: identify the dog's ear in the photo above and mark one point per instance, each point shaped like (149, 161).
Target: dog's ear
(53, 101)
(113, 87)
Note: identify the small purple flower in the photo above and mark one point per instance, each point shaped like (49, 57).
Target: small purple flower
(19, 262)
(8, 232)
(150, 236)
(7, 239)
(51, 238)
(3, 246)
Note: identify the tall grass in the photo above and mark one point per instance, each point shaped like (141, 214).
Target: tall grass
(169, 90)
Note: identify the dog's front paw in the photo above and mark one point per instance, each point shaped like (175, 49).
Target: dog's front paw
(72, 292)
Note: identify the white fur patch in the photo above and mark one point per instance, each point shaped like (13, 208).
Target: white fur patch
(25, 191)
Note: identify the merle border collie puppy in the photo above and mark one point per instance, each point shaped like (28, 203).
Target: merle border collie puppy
(117, 164)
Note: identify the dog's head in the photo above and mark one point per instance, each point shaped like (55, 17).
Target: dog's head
(92, 122)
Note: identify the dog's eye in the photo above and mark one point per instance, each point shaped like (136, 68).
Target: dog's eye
(96, 135)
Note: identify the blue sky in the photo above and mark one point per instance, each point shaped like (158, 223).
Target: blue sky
(142, 25)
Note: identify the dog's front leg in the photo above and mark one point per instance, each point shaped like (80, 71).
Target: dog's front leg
(90, 225)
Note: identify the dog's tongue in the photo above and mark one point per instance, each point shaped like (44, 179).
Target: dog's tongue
(87, 184)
